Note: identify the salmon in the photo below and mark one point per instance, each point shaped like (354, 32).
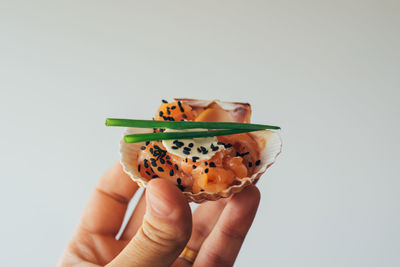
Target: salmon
(236, 161)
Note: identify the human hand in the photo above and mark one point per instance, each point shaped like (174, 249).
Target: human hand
(160, 227)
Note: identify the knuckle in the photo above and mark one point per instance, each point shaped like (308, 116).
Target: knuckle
(166, 236)
(233, 233)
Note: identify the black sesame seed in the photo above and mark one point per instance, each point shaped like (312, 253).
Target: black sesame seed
(199, 150)
(184, 116)
(221, 143)
(212, 164)
(190, 145)
(174, 147)
(186, 152)
(162, 161)
(164, 101)
(228, 145)
(169, 162)
(250, 164)
(206, 170)
(156, 147)
(186, 160)
(160, 169)
(181, 187)
(167, 157)
(180, 106)
(187, 148)
(161, 113)
(195, 158)
(151, 150)
(258, 162)
(173, 107)
(168, 111)
(154, 164)
(206, 163)
(146, 165)
(176, 167)
(138, 168)
(148, 173)
(179, 180)
(155, 176)
(147, 143)
(171, 172)
(194, 166)
(143, 148)
(201, 190)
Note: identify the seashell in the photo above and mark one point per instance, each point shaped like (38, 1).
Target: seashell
(269, 142)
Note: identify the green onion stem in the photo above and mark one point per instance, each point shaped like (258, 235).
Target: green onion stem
(187, 124)
(135, 138)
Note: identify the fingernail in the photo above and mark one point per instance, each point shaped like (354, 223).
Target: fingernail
(158, 204)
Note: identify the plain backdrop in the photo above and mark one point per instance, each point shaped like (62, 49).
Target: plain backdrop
(327, 72)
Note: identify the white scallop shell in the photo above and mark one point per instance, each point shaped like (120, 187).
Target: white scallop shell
(269, 141)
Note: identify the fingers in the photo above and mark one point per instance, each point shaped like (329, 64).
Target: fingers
(107, 205)
(165, 231)
(223, 244)
(136, 219)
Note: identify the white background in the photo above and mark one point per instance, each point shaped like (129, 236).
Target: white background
(327, 72)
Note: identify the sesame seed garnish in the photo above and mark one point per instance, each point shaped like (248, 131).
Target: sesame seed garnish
(176, 167)
(146, 165)
(206, 170)
(194, 166)
(179, 180)
(221, 143)
(184, 116)
(160, 113)
(143, 148)
(212, 164)
(160, 169)
(156, 147)
(190, 145)
(164, 101)
(173, 107)
(187, 148)
(258, 162)
(162, 161)
(186, 152)
(228, 145)
(186, 160)
(181, 187)
(148, 173)
(180, 106)
(138, 168)
(154, 176)
(199, 150)
(206, 163)
(167, 157)
(154, 164)
(169, 162)
(174, 147)
(195, 158)
(151, 150)
(241, 154)
(250, 164)
(168, 111)
(171, 172)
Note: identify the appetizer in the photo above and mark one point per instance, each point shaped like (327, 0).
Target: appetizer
(208, 149)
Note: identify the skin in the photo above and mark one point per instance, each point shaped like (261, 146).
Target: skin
(160, 227)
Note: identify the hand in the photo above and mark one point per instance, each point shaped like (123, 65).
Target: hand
(160, 227)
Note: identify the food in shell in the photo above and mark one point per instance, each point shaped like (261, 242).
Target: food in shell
(203, 168)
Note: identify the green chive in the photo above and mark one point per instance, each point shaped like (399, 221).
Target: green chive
(135, 138)
(187, 124)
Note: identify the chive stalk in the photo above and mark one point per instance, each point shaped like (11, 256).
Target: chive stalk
(135, 138)
(179, 125)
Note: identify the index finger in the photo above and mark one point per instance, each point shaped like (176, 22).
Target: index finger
(107, 205)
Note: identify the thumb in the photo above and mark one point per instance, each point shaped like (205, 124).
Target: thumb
(166, 228)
